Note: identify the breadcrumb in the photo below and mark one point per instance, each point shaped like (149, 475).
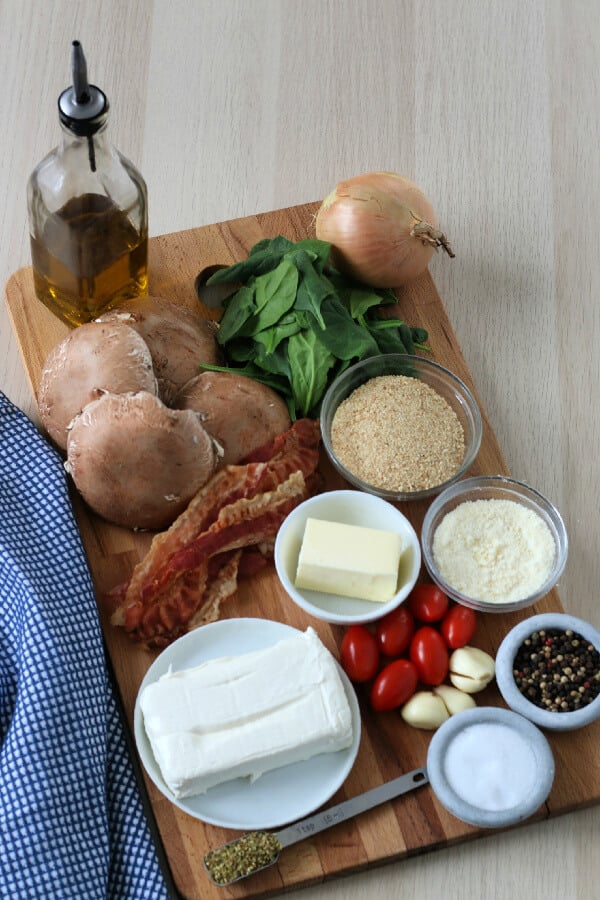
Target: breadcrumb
(397, 433)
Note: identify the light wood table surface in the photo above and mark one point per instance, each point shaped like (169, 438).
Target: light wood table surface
(232, 107)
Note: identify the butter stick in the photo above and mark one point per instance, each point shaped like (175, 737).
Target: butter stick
(349, 560)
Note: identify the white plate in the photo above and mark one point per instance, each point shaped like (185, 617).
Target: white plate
(277, 797)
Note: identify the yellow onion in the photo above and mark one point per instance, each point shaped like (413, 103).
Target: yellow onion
(382, 228)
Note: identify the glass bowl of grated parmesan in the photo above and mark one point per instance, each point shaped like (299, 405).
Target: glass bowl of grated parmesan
(400, 426)
(493, 543)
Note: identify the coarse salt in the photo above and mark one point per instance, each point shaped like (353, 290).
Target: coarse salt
(490, 766)
(496, 551)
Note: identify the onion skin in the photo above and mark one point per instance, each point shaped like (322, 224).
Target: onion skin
(382, 229)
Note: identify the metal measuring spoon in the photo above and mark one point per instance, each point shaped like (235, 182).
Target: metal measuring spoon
(258, 850)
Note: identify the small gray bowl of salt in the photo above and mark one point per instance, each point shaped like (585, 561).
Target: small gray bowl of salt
(490, 767)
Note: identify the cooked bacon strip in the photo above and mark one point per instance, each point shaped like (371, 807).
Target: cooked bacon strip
(184, 606)
(295, 450)
(247, 521)
(222, 587)
(304, 434)
(171, 599)
(175, 606)
(193, 566)
(254, 559)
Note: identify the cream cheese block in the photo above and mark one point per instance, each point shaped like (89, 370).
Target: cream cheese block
(240, 716)
(349, 560)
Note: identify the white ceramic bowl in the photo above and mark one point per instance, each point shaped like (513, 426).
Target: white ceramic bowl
(554, 721)
(351, 508)
(494, 487)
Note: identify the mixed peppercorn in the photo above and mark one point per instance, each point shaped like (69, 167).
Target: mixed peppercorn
(557, 670)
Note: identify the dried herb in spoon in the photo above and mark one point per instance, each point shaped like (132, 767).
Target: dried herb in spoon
(242, 856)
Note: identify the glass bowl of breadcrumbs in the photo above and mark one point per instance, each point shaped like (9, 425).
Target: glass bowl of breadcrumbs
(400, 426)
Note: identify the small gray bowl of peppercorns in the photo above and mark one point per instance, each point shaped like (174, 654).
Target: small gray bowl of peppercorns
(548, 670)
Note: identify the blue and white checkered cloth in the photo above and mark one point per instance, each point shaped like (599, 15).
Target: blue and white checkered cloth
(71, 818)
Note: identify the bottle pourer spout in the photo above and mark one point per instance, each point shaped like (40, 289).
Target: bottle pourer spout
(81, 86)
(82, 105)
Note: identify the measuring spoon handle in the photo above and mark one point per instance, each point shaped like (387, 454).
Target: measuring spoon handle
(352, 807)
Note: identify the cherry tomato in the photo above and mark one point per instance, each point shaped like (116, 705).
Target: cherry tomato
(359, 654)
(394, 685)
(429, 653)
(458, 626)
(395, 630)
(427, 603)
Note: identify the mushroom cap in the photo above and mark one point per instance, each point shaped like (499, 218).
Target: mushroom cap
(240, 413)
(179, 340)
(136, 462)
(91, 359)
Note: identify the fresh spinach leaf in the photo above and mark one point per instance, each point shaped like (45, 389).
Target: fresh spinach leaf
(271, 337)
(275, 246)
(318, 251)
(260, 304)
(310, 363)
(361, 300)
(419, 336)
(296, 323)
(238, 310)
(276, 292)
(308, 307)
(264, 256)
(344, 287)
(344, 337)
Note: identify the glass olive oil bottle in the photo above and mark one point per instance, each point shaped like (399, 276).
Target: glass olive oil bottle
(88, 212)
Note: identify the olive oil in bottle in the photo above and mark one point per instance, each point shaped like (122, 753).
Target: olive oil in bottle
(91, 253)
(88, 212)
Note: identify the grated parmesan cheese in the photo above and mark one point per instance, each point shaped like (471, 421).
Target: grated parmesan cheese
(495, 551)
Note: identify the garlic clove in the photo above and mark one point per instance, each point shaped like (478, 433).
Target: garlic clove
(454, 699)
(471, 669)
(425, 710)
(467, 685)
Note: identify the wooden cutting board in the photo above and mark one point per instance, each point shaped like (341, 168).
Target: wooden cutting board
(413, 824)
